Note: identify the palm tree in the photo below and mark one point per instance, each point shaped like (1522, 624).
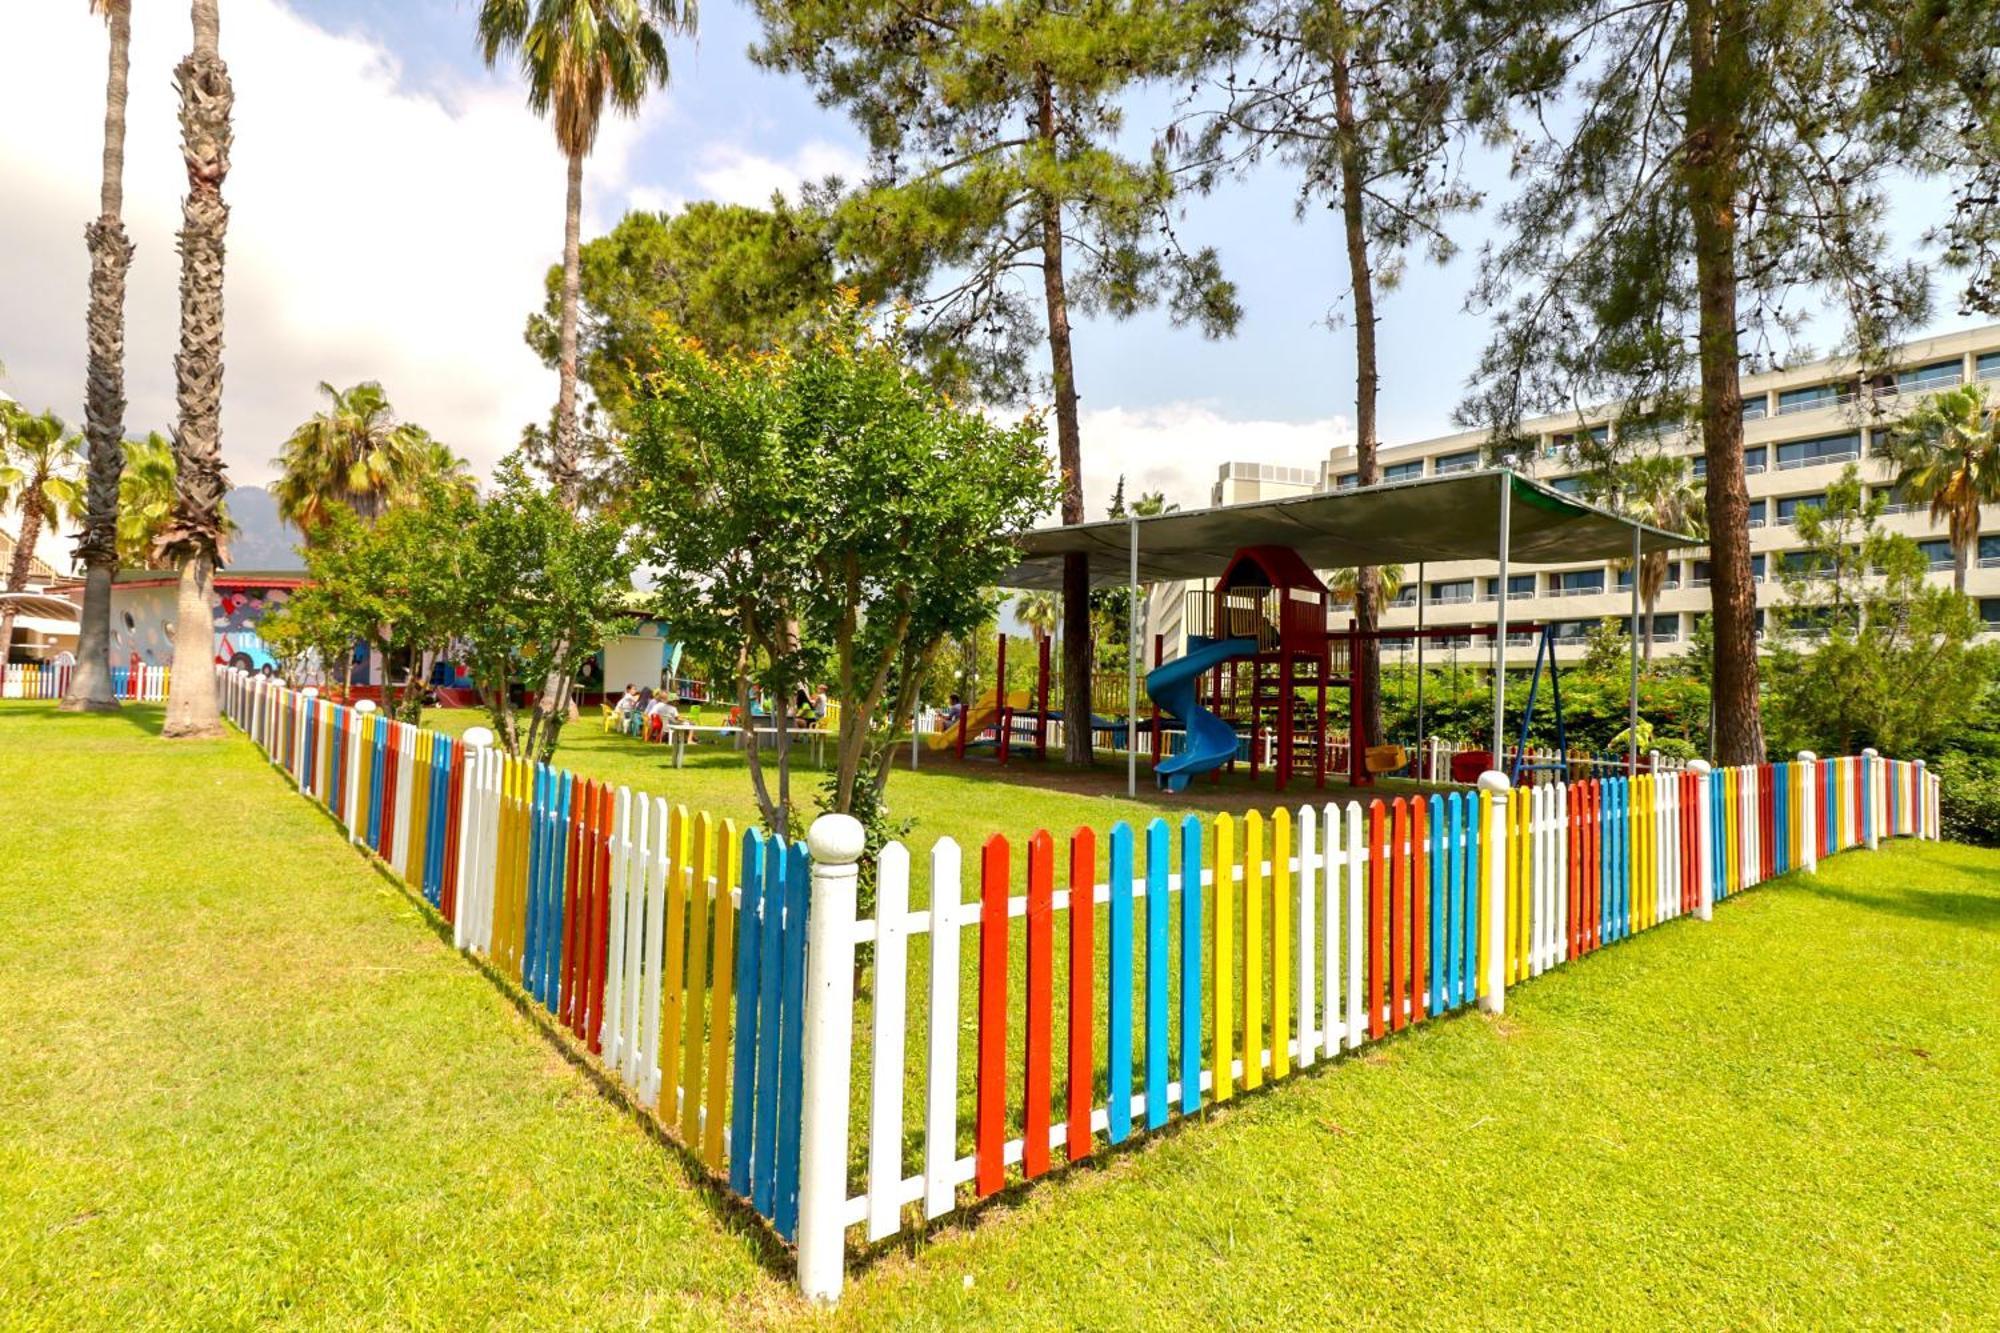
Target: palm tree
(579, 55)
(196, 534)
(39, 460)
(357, 455)
(1347, 583)
(1041, 612)
(146, 502)
(104, 384)
(1658, 490)
(1947, 455)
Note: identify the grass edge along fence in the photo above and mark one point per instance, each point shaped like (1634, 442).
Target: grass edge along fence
(713, 970)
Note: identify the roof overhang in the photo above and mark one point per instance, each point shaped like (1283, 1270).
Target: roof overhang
(1398, 523)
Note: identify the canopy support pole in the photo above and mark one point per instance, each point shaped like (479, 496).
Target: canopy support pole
(1500, 630)
(1132, 667)
(1417, 767)
(1632, 712)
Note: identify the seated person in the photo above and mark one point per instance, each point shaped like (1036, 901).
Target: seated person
(819, 704)
(626, 702)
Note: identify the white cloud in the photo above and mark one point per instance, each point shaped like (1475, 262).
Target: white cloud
(736, 175)
(1177, 448)
(376, 230)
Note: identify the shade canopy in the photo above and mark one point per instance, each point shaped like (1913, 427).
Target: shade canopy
(1401, 522)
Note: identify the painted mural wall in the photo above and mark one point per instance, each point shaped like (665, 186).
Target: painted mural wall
(142, 620)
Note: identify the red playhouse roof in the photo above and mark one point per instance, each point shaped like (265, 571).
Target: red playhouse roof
(1268, 567)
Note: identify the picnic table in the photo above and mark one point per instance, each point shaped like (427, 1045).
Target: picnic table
(680, 733)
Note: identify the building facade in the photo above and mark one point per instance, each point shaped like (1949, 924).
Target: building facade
(1802, 427)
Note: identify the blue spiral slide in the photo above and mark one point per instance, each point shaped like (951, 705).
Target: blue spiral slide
(1211, 742)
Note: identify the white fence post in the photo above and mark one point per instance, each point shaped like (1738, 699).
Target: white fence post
(835, 843)
(1921, 811)
(1494, 1001)
(1810, 778)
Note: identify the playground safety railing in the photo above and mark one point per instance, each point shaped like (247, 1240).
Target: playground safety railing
(43, 680)
(713, 970)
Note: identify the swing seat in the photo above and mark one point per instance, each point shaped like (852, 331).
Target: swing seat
(1386, 758)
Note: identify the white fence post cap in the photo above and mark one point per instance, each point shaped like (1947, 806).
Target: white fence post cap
(1493, 780)
(310, 691)
(477, 737)
(1870, 751)
(836, 839)
(1698, 766)
(1807, 756)
(365, 706)
(1920, 763)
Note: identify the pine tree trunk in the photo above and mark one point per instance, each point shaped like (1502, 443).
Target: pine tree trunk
(1368, 471)
(565, 461)
(1076, 663)
(195, 532)
(104, 390)
(1718, 37)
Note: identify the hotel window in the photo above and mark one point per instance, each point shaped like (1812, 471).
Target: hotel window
(1989, 613)
(1756, 513)
(1451, 592)
(1579, 582)
(1788, 506)
(1466, 461)
(1519, 586)
(1572, 631)
(1825, 449)
(1988, 366)
(1666, 626)
(1935, 375)
(1405, 595)
(1937, 551)
(1810, 397)
(1348, 481)
(1989, 552)
(1403, 471)
(1568, 485)
(1756, 406)
(1756, 460)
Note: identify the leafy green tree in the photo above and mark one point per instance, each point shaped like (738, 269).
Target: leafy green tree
(825, 508)
(540, 588)
(994, 129)
(146, 502)
(1707, 170)
(104, 382)
(1947, 455)
(39, 465)
(196, 533)
(1373, 105)
(356, 454)
(731, 277)
(1866, 650)
(580, 56)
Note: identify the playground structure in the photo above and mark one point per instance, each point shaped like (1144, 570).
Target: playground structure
(1260, 654)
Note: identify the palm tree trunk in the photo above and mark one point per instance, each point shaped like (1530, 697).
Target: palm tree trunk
(1718, 37)
(1961, 561)
(195, 533)
(1076, 663)
(565, 464)
(104, 391)
(24, 558)
(1368, 579)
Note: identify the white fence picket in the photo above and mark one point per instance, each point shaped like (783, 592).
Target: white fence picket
(885, 1135)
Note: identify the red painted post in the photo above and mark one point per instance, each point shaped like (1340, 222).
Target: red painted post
(989, 1165)
(1420, 892)
(1040, 1012)
(1399, 882)
(1377, 845)
(1082, 967)
(600, 924)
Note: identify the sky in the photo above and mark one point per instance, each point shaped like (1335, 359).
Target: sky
(395, 205)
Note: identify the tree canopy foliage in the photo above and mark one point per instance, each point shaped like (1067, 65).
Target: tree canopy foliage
(823, 509)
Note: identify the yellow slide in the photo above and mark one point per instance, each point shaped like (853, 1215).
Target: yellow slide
(983, 715)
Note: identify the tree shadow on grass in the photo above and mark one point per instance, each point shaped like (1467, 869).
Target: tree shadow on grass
(1950, 907)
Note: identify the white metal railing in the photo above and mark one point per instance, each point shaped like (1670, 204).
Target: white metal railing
(1990, 373)
(1786, 409)
(1584, 590)
(1450, 599)
(1794, 464)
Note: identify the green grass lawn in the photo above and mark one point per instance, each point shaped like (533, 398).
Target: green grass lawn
(242, 1081)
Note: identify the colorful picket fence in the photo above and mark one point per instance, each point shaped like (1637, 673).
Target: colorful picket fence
(1173, 968)
(42, 680)
(667, 942)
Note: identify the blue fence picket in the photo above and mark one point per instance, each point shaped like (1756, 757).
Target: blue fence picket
(1158, 840)
(1190, 964)
(750, 918)
(791, 1056)
(1118, 1003)
(770, 940)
